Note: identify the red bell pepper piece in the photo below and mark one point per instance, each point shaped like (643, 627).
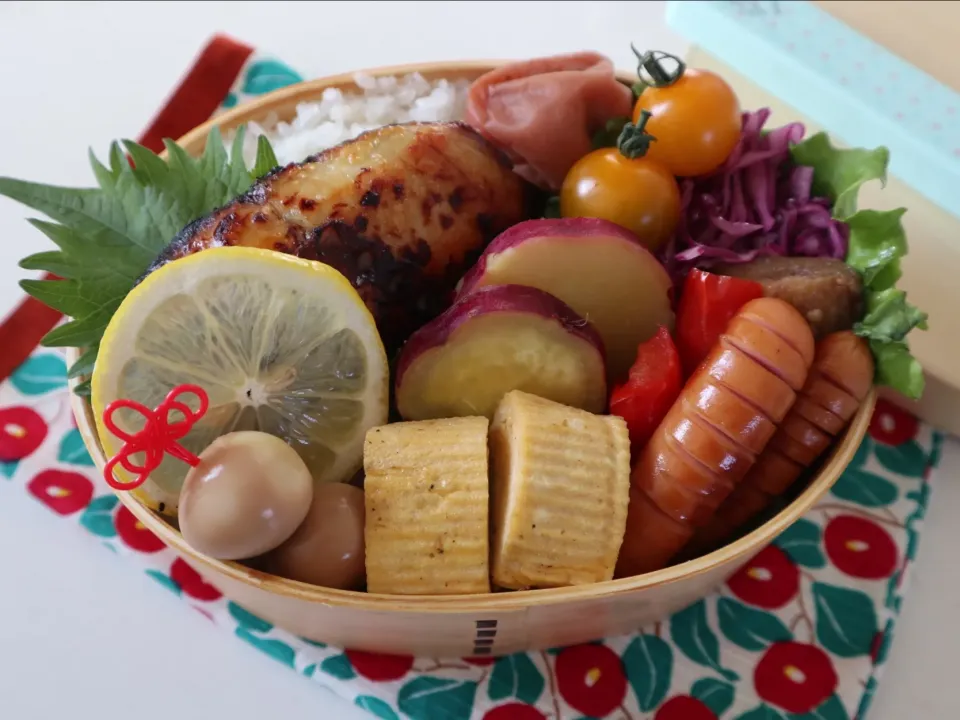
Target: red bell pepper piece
(707, 306)
(651, 387)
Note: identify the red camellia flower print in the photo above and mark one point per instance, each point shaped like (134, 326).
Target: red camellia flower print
(590, 679)
(860, 548)
(192, 583)
(892, 425)
(770, 580)
(795, 676)
(22, 431)
(684, 707)
(379, 667)
(61, 491)
(514, 711)
(134, 534)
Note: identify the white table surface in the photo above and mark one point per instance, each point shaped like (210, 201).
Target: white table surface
(83, 636)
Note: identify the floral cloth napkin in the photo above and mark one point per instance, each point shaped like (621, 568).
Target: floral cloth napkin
(801, 633)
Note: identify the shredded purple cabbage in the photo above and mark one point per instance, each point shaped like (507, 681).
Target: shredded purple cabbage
(757, 203)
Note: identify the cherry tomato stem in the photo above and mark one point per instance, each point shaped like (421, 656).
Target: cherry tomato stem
(634, 141)
(651, 63)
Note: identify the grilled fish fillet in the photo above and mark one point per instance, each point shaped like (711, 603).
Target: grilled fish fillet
(401, 211)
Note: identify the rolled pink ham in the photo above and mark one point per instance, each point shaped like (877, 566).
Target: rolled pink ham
(544, 112)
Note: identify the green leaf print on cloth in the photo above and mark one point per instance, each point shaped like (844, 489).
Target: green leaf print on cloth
(648, 662)
(907, 459)
(165, 581)
(40, 374)
(98, 517)
(277, 649)
(831, 709)
(715, 694)
(864, 451)
(762, 712)
(376, 706)
(865, 488)
(515, 676)
(749, 628)
(433, 698)
(846, 620)
(266, 76)
(247, 619)
(691, 633)
(802, 541)
(339, 666)
(73, 451)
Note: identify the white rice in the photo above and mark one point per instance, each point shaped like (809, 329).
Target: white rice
(340, 116)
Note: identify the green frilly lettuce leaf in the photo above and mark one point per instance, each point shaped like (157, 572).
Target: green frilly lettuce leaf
(877, 243)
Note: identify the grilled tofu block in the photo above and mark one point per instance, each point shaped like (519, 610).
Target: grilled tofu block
(401, 211)
(426, 490)
(561, 480)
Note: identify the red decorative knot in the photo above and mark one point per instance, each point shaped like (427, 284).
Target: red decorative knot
(158, 436)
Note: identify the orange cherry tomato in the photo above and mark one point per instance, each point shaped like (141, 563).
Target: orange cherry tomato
(639, 195)
(695, 120)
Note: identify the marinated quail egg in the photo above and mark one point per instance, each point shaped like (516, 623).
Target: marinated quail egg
(327, 548)
(249, 493)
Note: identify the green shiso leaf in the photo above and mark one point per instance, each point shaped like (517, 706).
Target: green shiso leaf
(266, 160)
(877, 244)
(108, 236)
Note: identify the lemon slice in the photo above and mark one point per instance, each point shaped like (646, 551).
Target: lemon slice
(279, 344)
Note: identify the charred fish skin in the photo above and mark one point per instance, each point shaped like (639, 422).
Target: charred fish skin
(401, 211)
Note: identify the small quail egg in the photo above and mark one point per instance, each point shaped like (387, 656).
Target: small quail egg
(327, 549)
(249, 493)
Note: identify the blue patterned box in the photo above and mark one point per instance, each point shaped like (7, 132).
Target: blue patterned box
(861, 93)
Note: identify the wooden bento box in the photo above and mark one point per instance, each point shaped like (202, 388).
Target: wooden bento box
(464, 625)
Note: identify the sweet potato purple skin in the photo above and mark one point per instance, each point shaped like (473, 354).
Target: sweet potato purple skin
(491, 300)
(498, 298)
(402, 211)
(538, 228)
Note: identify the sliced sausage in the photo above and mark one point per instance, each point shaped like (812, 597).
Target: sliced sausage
(661, 535)
(714, 432)
(840, 378)
(765, 388)
(730, 413)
